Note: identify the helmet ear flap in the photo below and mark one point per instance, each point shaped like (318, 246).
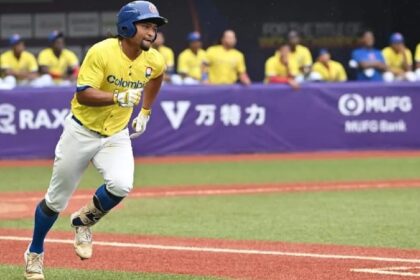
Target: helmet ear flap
(127, 29)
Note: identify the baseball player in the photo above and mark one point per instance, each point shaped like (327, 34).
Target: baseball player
(115, 74)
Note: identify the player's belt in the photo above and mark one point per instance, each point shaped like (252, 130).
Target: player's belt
(81, 124)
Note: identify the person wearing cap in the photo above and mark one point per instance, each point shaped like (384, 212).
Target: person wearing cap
(17, 62)
(60, 63)
(328, 70)
(167, 53)
(399, 59)
(116, 75)
(300, 54)
(368, 61)
(281, 68)
(192, 61)
(227, 64)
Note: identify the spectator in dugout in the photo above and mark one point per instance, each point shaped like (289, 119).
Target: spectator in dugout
(327, 70)
(167, 53)
(17, 64)
(368, 62)
(399, 60)
(57, 63)
(301, 55)
(417, 58)
(192, 62)
(227, 64)
(281, 68)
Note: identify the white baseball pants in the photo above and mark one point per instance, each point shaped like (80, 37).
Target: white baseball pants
(112, 156)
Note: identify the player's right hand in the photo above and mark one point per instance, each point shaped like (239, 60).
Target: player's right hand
(128, 98)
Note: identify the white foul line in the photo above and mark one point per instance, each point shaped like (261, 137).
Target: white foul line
(222, 250)
(399, 271)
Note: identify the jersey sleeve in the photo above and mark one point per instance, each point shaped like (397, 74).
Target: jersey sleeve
(409, 57)
(182, 64)
(4, 63)
(417, 54)
(159, 65)
(91, 72)
(241, 67)
(386, 56)
(72, 59)
(43, 59)
(170, 58)
(33, 65)
(270, 69)
(307, 58)
(342, 75)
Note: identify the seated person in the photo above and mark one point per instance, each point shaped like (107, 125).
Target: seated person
(58, 62)
(17, 62)
(227, 64)
(328, 70)
(417, 58)
(192, 61)
(167, 53)
(399, 60)
(281, 68)
(368, 61)
(300, 54)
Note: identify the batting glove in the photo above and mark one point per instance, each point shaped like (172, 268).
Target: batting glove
(139, 124)
(128, 98)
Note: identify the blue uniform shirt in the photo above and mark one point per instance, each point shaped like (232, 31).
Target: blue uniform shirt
(365, 54)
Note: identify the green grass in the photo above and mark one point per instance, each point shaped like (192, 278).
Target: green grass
(274, 171)
(11, 272)
(382, 218)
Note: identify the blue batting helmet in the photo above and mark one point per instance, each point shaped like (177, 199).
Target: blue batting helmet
(137, 11)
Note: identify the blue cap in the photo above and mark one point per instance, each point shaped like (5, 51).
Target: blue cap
(396, 38)
(193, 36)
(14, 39)
(323, 51)
(55, 35)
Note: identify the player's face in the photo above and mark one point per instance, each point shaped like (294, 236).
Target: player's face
(19, 47)
(196, 45)
(368, 39)
(284, 50)
(324, 57)
(58, 44)
(229, 39)
(146, 32)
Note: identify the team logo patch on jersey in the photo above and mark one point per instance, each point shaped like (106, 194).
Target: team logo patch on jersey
(153, 9)
(148, 72)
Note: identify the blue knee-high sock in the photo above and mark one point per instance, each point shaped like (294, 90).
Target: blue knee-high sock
(44, 220)
(104, 200)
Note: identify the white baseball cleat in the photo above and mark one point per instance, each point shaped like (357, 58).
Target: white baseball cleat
(82, 240)
(34, 263)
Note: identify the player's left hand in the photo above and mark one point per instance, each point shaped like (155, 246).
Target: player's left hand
(139, 124)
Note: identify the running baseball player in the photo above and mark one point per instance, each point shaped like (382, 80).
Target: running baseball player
(115, 74)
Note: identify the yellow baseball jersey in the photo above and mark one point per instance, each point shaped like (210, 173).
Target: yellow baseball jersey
(302, 56)
(225, 65)
(417, 55)
(395, 60)
(107, 68)
(191, 64)
(274, 67)
(26, 62)
(168, 56)
(334, 72)
(57, 66)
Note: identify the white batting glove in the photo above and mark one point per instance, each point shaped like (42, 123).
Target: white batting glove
(128, 98)
(139, 124)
